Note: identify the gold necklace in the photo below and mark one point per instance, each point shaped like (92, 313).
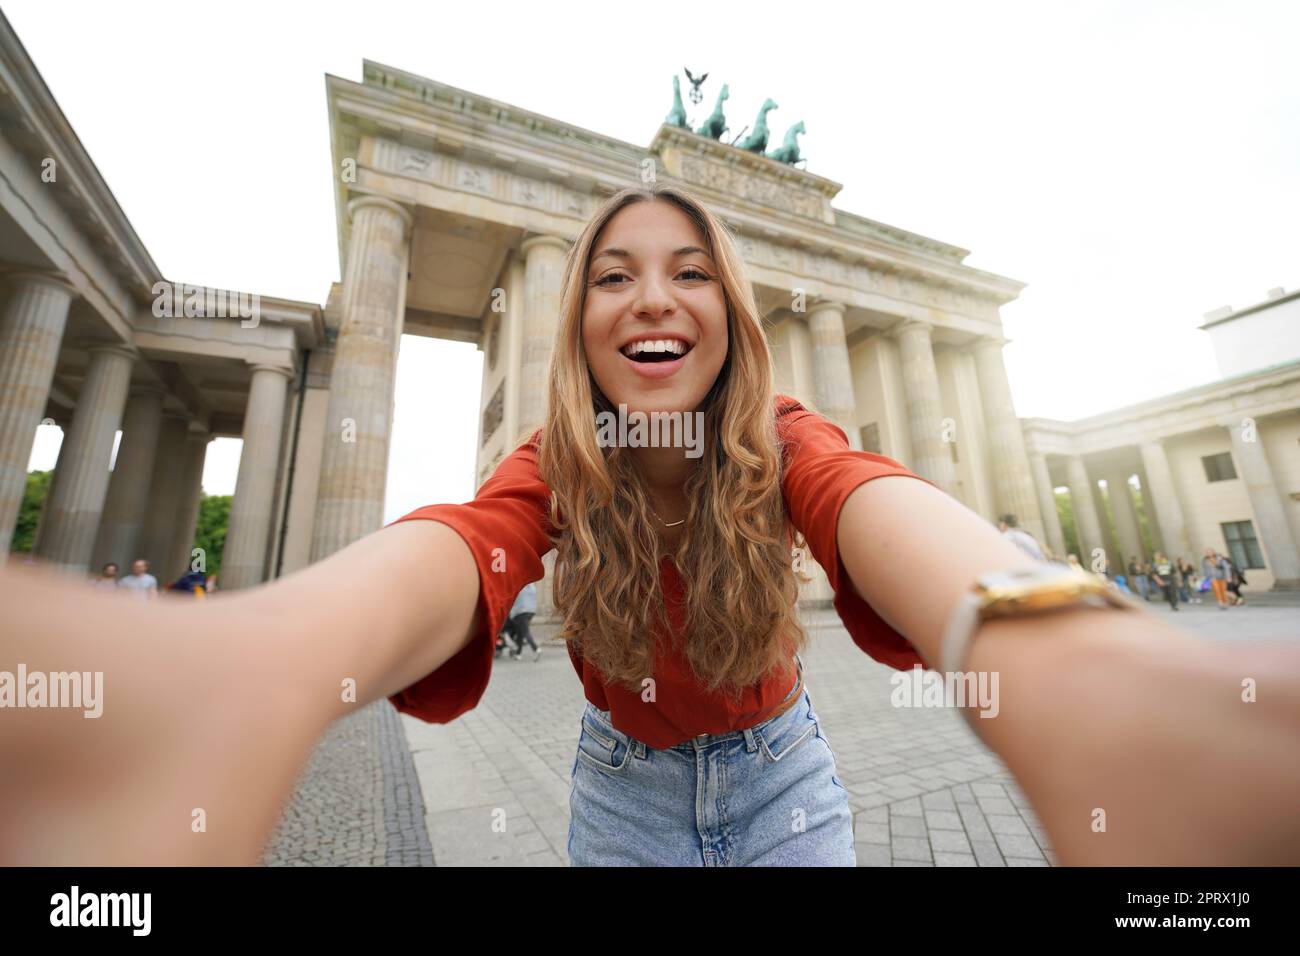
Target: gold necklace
(665, 523)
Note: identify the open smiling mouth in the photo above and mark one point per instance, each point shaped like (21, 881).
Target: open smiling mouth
(653, 352)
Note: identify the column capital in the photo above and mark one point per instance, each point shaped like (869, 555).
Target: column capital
(361, 202)
(115, 348)
(1233, 422)
(911, 325)
(824, 305)
(533, 242)
(34, 277)
(990, 342)
(259, 367)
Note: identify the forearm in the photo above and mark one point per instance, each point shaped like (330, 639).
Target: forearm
(382, 612)
(1094, 704)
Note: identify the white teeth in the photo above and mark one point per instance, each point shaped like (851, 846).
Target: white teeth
(676, 346)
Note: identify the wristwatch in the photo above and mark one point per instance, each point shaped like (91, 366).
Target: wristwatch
(1018, 592)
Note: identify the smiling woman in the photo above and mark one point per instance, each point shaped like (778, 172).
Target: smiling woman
(675, 577)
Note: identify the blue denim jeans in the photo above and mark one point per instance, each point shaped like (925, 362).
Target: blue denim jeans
(764, 796)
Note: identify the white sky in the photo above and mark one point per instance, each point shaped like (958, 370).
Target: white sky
(1136, 163)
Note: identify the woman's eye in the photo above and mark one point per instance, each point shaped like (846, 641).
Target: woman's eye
(604, 280)
(697, 273)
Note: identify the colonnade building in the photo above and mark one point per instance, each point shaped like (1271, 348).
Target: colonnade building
(454, 215)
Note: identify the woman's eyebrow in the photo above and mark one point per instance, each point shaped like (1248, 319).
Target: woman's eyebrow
(624, 254)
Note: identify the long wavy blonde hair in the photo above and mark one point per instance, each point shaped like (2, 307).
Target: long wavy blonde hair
(734, 555)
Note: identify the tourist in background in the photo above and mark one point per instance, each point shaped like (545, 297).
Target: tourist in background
(142, 584)
(1215, 568)
(1236, 578)
(107, 580)
(521, 613)
(1162, 573)
(1020, 538)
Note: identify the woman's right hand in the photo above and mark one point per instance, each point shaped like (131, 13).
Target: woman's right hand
(195, 749)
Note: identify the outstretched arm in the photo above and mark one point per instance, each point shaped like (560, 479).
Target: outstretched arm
(210, 706)
(1100, 710)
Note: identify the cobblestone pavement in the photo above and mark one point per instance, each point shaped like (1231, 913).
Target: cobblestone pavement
(495, 783)
(357, 802)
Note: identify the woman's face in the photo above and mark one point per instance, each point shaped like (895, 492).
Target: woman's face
(652, 280)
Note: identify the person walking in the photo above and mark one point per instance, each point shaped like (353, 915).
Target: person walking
(521, 613)
(1138, 574)
(1163, 574)
(1236, 578)
(1215, 568)
(1186, 575)
(1022, 539)
(107, 579)
(142, 585)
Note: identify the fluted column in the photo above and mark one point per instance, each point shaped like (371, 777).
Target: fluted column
(1164, 509)
(1047, 504)
(128, 487)
(354, 460)
(72, 515)
(931, 457)
(31, 332)
(832, 376)
(1086, 521)
(1266, 502)
(1013, 483)
(1126, 519)
(543, 275)
(153, 543)
(187, 498)
(243, 563)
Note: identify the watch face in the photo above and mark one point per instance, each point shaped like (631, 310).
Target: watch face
(1035, 588)
(1027, 577)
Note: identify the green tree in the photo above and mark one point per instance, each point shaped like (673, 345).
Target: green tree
(29, 513)
(210, 535)
(1065, 511)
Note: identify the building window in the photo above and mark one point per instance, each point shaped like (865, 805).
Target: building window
(871, 438)
(1219, 467)
(1242, 544)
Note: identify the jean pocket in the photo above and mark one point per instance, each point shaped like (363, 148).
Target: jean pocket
(602, 749)
(779, 736)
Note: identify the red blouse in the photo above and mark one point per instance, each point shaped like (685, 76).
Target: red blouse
(506, 528)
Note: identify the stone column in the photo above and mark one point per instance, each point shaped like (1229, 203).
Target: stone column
(189, 489)
(243, 563)
(128, 487)
(1086, 521)
(154, 540)
(1164, 509)
(354, 460)
(1265, 500)
(931, 456)
(72, 515)
(1126, 519)
(31, 331)
(1013, 483)
(1047, 504)
(832, 376)
(543, 275)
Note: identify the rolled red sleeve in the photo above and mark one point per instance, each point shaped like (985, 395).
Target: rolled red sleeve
(507, 528)
(821, 471)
